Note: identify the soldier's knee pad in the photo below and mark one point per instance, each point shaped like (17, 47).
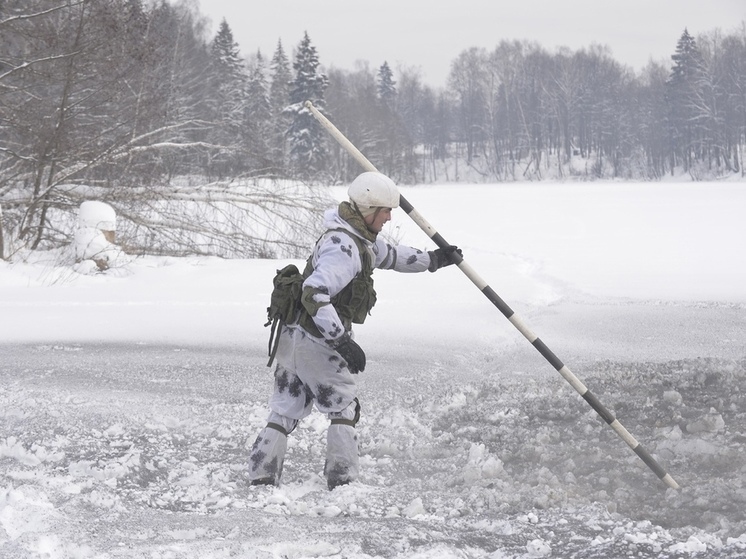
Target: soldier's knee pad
(348, 416)
(284, 425)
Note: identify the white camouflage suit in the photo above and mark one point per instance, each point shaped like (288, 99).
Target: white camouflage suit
(309, 371)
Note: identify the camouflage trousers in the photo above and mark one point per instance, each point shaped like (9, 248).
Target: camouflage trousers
(308, 373)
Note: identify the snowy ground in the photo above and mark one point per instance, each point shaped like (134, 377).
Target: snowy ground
(128, 400)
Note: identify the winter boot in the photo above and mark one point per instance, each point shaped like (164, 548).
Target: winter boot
(342, 463)
(268, 452)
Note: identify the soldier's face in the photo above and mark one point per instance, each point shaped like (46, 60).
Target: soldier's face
(378, 219)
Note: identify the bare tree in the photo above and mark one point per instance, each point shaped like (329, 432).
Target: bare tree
(105, 95)
(469, 79)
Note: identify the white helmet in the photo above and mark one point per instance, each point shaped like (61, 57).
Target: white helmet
(374, 190)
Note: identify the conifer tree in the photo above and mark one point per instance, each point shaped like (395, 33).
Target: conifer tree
(229, 97)
(307, 140)
(681, 95)
(389, 131)
(386, 85)
(257, 130)
(279, 99)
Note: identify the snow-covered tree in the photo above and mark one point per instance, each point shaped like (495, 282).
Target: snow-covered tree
(65, 100)
(392, 137)
(469, 80)
(651, 117)
(172, 99)
(229, 81)
(258, 128)
(733, 76)
(405, 130)
(386, 85)
(279, 99)
(307, 139)
(682, 92)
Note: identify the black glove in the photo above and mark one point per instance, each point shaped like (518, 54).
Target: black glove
(442, 257)
(352, 353)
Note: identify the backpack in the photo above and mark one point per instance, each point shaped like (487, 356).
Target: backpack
(286, 292)
(284, 303)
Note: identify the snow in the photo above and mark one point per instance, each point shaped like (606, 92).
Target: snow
(129, 399)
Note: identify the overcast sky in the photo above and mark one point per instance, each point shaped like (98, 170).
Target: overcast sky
(429, 34)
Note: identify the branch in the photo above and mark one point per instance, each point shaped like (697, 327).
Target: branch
(15, 155)
(39, 14)
(31, 63)
(177, 145)
(118, 152)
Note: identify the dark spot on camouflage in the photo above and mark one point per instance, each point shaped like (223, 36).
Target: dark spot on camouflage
(273, 467)
(324, 394)
(412, 259)
(256, 459)
(256, 444)
(296, 387)
(338, 363)
(281, 380)
(335, 239)
(347, 250)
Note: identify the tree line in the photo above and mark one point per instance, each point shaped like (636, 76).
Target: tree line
(124, 94)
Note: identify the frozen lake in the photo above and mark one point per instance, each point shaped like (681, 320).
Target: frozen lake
(128, 401)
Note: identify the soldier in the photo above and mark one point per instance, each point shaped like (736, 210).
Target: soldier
(317, 356)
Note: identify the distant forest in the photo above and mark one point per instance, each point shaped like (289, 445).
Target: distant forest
(118, 94)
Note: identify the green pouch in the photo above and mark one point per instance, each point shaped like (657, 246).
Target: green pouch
(285, 299)
(284, 303)
(359, 299)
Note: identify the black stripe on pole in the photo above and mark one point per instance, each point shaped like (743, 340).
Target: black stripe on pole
(439, 240)
(405, 205)
(547, 353)
(650, 461)
(594, 402)
(498, 302)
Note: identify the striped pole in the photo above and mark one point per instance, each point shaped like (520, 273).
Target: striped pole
(514, 319)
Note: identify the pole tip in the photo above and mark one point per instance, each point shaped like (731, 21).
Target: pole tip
(671, 482)
(307, 104)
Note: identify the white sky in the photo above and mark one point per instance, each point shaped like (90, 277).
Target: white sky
(429, 35)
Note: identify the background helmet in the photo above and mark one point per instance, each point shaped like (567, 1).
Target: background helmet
(373, 190)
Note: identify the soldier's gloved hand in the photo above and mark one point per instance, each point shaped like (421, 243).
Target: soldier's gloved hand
(352, 353)
(442, 257)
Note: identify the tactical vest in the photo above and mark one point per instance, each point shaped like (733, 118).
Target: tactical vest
(353, 303)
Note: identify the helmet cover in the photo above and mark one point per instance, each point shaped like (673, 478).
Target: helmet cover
(373, 190)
